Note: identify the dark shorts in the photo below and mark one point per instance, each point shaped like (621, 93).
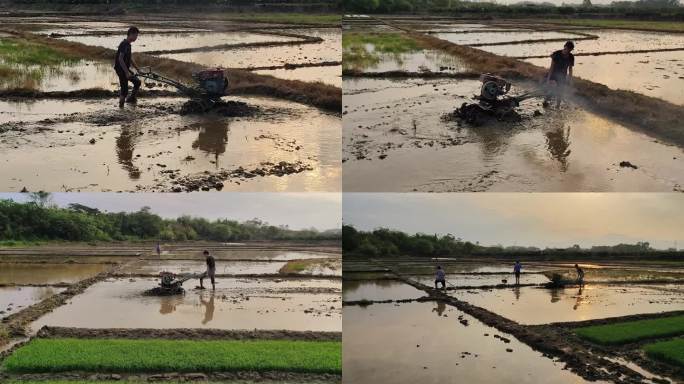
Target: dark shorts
(517, 274)
(440, 281)
(123, 82)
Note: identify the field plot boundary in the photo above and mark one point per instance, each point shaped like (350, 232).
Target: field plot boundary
(653, 116)
(551, 340)
(48, 332)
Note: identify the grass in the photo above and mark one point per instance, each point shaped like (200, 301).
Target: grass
(671, 351)
(298, 266)
(356, 53)
(13, 51)
(620, 333)
(141, 381)
(667, 26)
(20, 243)
(123, 355)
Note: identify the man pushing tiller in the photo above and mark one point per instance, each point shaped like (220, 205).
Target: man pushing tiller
(122, 65)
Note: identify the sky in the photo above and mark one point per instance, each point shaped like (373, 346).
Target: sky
(298, 210)
(524, 219)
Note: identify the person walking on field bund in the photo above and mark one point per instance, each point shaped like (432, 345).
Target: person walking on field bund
(580, 275)
(122, 65)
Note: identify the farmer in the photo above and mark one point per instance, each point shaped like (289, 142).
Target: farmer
(440, 277)
(158, 249)
(211, 270)
(122, 65)
(580, 275)
(560, 72)
(517, 267)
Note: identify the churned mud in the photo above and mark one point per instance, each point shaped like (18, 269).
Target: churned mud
(248, 144)
(547, 150)
(237, 303)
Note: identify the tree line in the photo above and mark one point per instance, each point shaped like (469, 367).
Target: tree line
(670, 9)
(385, 242)
(38, 221)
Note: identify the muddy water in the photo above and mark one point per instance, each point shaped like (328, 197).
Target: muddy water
(608, 41)
(501, 37)
(260, 57)
(326, 74)
(379, 290)
(236, 304)
(14, 299)
(655, 74)
(199, 266)
(427, 60)
(67, 77)
(156, 42)
(138, 153)
(388, 149)
(425, 343)
(530, 305)
(16, 273)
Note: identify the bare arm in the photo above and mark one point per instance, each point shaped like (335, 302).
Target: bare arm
(122, 64)
(570, 73)
(548, 76)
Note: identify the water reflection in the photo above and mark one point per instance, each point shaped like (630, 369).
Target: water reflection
(441, 307)
(212, 138)
(558, 144)
(125, 148)
(208, 308)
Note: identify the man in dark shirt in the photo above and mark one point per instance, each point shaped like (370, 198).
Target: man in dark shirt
(560, 71)
(211, 270)
(122, 65)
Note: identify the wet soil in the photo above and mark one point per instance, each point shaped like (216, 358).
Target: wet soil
(244, 303)
(553, 151)
(240, 144)
(186, 334)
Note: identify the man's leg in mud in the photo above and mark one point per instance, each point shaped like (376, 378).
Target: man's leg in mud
(559, 93)
(213, 283)
(202, 276)
(123, 85)
(136, 86)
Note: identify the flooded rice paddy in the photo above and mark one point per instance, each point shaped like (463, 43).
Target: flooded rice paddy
(387, 149)
(150, 151)
(14, 299)
(161, 42)
(530, 305)
(47, 273)
(431, 340)
(86, 144)
(398, 135)
(250, 303)
(424, 342)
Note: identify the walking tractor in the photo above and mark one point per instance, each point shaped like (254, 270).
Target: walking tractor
(494, 100)
(209, 87)
(171, 284)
